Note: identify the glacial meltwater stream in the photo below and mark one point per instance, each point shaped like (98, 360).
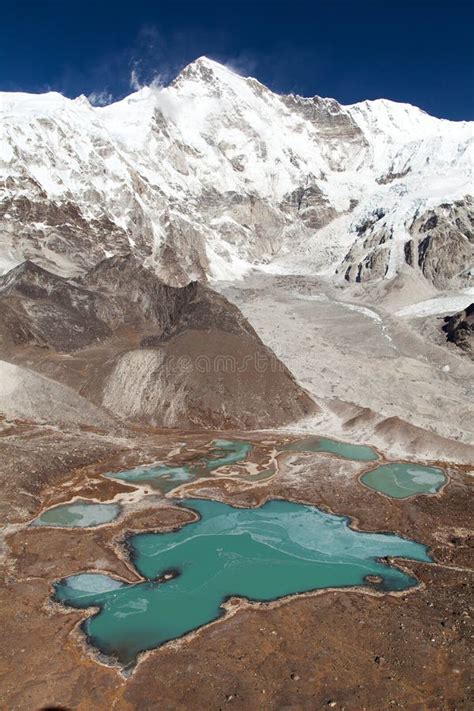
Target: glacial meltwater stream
(262, 554)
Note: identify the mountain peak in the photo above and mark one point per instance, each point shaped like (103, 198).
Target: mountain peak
(203, 63)
(207, 62)
(208, 71)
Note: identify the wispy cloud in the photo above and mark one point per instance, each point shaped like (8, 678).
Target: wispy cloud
(100, 98)
(152, 58)
(244, 64)
(134, 81)
(149, 60)
(156, 82)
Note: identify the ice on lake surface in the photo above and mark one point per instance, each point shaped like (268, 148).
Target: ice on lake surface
(78, 514)
(401, 480)
(262, 554)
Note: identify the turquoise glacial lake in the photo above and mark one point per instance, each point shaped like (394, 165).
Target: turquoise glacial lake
(79, 514)
(262, 554)
(165, 478)
(356, 452)
(402, 480)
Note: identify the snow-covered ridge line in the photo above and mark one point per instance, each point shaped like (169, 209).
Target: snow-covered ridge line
(9, 100)
(214, 172)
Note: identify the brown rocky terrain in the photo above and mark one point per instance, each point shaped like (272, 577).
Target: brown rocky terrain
(331, 650)
(143, 351)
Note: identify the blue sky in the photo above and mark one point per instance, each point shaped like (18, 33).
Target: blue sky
(418, 51)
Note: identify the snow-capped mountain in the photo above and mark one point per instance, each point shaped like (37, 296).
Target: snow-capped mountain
(215, 173)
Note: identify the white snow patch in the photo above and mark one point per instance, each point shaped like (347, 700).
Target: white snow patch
(442, 304)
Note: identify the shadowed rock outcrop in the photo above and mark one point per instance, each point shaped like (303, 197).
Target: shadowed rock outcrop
(444, 240)
(459, 329)
(441, 245)
(45, 310)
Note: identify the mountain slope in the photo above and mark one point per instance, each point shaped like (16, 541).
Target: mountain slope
(215, 173)
(146, 352)
(26, 395)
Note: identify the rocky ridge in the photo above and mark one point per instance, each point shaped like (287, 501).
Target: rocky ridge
(139, 350)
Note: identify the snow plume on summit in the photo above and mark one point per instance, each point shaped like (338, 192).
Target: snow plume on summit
(100, 98)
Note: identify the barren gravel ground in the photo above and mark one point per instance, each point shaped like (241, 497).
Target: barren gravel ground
(343, 650)
(361, 353)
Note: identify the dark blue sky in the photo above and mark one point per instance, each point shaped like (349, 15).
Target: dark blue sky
(419, 51)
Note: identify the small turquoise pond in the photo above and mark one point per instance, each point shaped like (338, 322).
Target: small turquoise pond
(224, 452)
(402, 480)
(356, 452)
(165, 478)
(79, 514)
(262, 554)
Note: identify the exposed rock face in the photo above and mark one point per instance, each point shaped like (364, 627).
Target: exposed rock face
(144, 351)
(131, 295)
(444, 241)
(45, 310)
(182, 254)
(459, 329)
(216, 173)
(311, 206)
(61, 232)
(343, 140)
(441, 245)
(369, 256)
